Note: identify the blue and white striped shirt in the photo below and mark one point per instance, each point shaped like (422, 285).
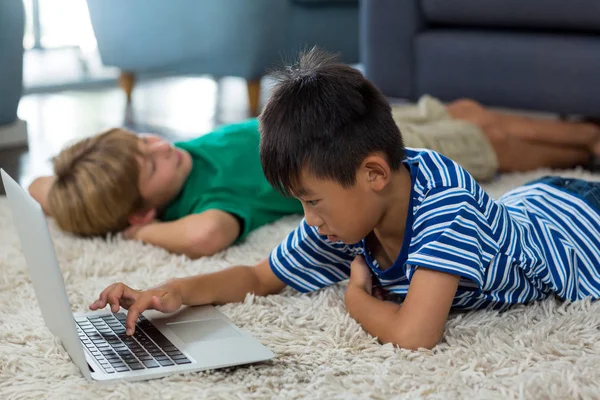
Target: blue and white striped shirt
(534, 241)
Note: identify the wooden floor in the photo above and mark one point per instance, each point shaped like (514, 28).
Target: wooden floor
(176, 108)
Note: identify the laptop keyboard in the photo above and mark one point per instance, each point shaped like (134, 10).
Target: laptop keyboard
(105, 338)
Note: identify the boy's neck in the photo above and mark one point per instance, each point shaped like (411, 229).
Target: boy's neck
(392, 224)
(160, 209)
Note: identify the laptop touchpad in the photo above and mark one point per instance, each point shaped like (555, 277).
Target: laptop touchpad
(205, 329)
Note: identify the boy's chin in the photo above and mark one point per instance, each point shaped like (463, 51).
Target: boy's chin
(345, 240)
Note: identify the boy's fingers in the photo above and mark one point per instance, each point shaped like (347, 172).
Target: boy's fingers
(114, 303)
(111, 290)
(132, 316)
(139, 306)
(114, 295)
(102, 298)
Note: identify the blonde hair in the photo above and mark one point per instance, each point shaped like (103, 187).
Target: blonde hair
(96, 186)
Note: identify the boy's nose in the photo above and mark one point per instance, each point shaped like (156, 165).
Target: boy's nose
(312, 218)
(160, 146)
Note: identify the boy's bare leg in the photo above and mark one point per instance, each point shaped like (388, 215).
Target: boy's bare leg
(571, 134)
(563, 133)
(517, 155)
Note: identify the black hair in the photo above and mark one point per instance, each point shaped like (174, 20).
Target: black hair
(325, 116)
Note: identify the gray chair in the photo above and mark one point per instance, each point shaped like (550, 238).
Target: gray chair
(242, 38)
(535, 54)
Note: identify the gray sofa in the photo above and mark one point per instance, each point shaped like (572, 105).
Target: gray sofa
(537, 55)
(12, 22)
(13, 131)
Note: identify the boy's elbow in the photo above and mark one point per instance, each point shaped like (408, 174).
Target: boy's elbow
(201, 247)
(413, 340)
(38, 189)
(205, 242)
(34, 189)
(414, 344)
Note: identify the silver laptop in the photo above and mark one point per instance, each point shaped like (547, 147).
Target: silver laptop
(192, 339)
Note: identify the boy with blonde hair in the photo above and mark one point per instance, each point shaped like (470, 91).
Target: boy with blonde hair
(411, 221)
(194, 198)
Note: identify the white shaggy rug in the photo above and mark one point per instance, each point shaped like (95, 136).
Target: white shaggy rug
(544, 351)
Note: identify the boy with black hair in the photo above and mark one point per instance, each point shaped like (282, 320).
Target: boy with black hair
(413, 219)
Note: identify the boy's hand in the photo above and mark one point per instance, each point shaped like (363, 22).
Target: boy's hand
(163, 298)
(132, 233)
(39, 190)
(360, 275)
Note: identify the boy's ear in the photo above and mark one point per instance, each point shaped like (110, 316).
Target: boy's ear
(142, 217)
(377, 172)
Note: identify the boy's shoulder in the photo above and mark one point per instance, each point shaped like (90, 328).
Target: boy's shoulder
(432, 170)
(432, 158)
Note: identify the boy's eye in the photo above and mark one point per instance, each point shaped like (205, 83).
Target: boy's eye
(313, 202)
(151, 164)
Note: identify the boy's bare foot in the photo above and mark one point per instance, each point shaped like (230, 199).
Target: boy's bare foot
(594, 165)
(596, 149)
(596, 146)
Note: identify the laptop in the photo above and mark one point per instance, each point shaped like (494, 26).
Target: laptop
(191, 339)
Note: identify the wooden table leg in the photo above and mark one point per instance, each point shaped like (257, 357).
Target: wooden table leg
(253, 96)
(127, 82)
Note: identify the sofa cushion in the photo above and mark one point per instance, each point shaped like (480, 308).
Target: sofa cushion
(576, 15)
(546, 72)
(324, 2)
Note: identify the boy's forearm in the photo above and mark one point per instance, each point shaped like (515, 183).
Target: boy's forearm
(230, 285)
(377, 317)
(165, 235)
(195, 235)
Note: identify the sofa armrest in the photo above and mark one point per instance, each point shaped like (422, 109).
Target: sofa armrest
(325, 2)
(388, 28)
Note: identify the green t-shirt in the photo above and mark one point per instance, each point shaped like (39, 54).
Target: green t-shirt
(227, 175)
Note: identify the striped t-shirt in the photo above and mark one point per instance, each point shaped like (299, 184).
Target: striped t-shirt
(534, 241)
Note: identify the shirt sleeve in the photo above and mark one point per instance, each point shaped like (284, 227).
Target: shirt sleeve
(240, 211)
(307, 261)
(451, 234)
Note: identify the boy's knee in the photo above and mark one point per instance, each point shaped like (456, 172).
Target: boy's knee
(462, 106)
(474, 112)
